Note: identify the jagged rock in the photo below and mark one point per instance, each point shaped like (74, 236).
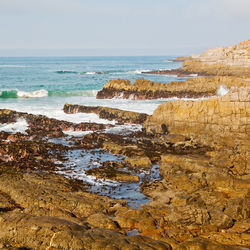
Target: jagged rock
(145, 89)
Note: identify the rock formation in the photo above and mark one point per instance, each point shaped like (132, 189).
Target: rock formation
(216, 121)
(229, 61)
(145, 89)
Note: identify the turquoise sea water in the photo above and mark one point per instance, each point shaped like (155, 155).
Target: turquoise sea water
(42, 85)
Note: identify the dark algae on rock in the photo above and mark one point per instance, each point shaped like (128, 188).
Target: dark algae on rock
(181, 182)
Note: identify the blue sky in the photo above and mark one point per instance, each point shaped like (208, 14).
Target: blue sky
(120, 27)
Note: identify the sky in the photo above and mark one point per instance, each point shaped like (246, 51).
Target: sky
(120, 27)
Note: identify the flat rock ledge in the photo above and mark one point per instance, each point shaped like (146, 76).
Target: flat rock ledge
(121, 116)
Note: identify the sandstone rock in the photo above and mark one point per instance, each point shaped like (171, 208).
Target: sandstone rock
(220, 219)
(112, 174)
(101, 221)
(232, 60)
(51, 195)
(212, 122)
(48, 232)
(187, 215)
(139, 162)
(202, 244)
(145, 89)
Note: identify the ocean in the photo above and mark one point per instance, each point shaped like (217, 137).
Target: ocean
(42, 85)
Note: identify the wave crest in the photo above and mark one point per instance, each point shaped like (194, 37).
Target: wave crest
(13, 93)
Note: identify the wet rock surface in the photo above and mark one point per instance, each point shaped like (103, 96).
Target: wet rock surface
(180, 183)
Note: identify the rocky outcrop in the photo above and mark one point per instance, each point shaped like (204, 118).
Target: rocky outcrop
(205, 194)
(122, 116)
(231, 61)
(57, 217)
(216, 121)
(145, 89)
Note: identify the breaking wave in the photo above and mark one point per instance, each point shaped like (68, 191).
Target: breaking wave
(6, 94)
(20, 125)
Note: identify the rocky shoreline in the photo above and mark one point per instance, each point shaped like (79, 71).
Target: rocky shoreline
(228, 61)
(143, 89)
(180, 181)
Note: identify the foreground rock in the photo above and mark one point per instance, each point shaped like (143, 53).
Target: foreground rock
(199, 201)
(145, 89)
(205, 195)
(122, 116)
(50, 214)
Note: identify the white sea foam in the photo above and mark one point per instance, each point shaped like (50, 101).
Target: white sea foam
(137, 71)
(19, 126)
(90, 73)
(124, 129)
(77, 133)
(32, 94)
(222, 90)
(140, 71)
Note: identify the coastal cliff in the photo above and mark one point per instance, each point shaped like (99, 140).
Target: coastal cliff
(232, 61)
(229, 61)
(219, 122)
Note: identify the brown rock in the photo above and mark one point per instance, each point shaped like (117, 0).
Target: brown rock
(100, 220)
(139, 162)
(202, 244)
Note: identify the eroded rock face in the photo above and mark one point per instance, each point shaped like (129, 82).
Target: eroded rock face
(145, 89)
(222, 122)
